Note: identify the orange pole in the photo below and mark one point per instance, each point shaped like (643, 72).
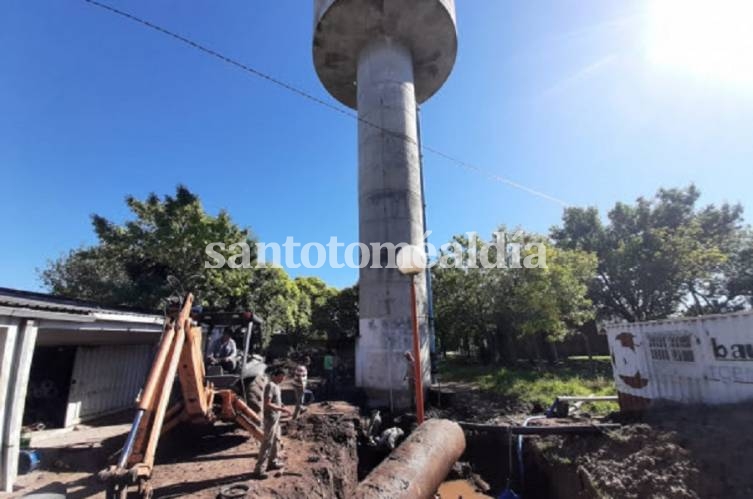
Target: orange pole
(417, 377)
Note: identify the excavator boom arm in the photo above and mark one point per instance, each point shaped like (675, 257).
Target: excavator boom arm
(179, 353)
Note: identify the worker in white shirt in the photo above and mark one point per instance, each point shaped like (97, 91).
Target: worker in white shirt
(300, 377)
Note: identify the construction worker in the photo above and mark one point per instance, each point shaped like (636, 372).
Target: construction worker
(224, 352)
(270, 446)
(410, 375)
(329, 371)
(300, 377)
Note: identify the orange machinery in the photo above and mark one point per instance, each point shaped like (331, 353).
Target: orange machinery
(179, 353)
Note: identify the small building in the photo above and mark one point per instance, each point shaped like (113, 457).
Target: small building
(63, 362)
(694, 360)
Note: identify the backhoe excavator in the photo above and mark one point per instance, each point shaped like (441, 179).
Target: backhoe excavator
(201, 400)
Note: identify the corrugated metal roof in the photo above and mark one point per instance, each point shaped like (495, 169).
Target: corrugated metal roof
(50, 303)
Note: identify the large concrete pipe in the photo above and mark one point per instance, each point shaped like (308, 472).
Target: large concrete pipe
(418, 466)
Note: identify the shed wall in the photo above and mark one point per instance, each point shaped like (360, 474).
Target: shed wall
(106, 379)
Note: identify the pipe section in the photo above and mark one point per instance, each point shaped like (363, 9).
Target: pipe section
(418, 466)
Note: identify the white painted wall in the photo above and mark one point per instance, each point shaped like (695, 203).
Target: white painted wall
(7, 342)
(706, 359)
(22, 350)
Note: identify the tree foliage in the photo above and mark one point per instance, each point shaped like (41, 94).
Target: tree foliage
(658, 256)
(161, 251)
(337, 316)
(739, 270)
(490, 309)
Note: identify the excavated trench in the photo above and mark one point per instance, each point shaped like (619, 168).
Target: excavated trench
(483, 468)
(337, 456)
(490, 465)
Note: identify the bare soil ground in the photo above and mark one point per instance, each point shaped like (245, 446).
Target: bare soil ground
(675, 452)
(319, 450)
(670, 452)
(463, 401)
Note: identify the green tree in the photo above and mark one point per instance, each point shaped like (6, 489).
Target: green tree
(739, 271)
(656, 257)
(337, 316)
(161, 250)
(489, 310)
(88, 274)
(274, 295)
(313, 295)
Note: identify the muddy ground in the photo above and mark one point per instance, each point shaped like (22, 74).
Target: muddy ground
(670, 452)
(674, 452)
(319, 449)
(465, 402)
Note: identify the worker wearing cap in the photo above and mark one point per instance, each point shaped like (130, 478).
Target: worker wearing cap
(224, 352)
(272, 407)
(300, 377)
(410, 375)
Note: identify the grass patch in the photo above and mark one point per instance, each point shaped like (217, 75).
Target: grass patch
(540, 385)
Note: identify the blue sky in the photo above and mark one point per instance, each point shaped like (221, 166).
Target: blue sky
(572, 98)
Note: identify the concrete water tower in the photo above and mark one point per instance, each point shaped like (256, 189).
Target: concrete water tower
(383, 57)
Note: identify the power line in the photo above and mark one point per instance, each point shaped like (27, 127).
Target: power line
(306, 95)
(496, 178)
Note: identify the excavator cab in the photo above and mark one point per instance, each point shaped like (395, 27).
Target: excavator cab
(246, 330)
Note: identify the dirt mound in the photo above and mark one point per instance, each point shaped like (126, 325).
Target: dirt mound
(330, 459)
(320, 461)
(675, 452)
(198, 461)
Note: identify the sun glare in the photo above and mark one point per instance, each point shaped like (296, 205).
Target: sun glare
(710, 38)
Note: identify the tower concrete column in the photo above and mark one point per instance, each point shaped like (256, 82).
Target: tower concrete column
(390, 212)
(382, 57)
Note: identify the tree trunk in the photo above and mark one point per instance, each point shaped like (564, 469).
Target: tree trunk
(587, 342)
(493, 345)
(589, 327)
(505, 345)
(549, 350)
(533, 341)
(512, 348)
(555, 358)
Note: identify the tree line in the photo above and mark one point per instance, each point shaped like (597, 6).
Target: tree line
(658, 257)
(159, 253)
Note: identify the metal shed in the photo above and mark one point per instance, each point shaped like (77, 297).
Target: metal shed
(696, 360)
(66, 361)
